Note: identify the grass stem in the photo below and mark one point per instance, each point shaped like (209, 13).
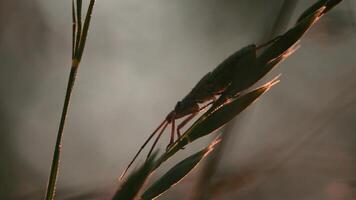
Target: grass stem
(79, 35)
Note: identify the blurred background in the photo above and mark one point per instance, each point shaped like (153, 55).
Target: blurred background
(297, 142)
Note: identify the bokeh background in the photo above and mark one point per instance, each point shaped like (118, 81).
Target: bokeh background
(297, 142)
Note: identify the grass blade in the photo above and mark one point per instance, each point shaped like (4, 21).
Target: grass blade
(177, 173)
(79, 21)
(74, 27)
(213, 120)
(84, 34)
(132, 186)
(289, 39)
(329, 4)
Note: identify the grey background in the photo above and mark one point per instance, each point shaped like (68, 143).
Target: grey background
(297, 142)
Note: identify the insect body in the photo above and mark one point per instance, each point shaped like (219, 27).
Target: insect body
(236, 74)
(214, 83)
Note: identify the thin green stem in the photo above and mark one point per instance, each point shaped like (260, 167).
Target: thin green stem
(57, 151)
(83, 38)
(74, 26)
(79, 20)
(78, 44)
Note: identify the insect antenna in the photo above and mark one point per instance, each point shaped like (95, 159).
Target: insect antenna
(143, 146)
(155, 142)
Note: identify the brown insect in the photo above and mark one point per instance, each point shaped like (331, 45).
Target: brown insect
(213, 84)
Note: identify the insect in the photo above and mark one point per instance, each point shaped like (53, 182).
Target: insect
(213, 84)
(223, 81)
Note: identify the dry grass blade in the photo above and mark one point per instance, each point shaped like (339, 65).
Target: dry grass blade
(131, 187)
(177, 173)
(329, 4)
(289, 39)
(213, 120)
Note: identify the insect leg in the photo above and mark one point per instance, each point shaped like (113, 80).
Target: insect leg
(172, 133)
(184, 122)
(190, 117)
(143, 146)
(155, 142)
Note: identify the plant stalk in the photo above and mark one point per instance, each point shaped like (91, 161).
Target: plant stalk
(78, 44)
(58, 147)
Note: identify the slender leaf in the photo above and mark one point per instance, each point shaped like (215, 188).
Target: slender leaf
(212, 120)
(216, 117)
(280, 49)
(131, 187)
(79, 19)
(177, 173)
(74, 27)
(250, 69)
(329, 4)
(84, 32)
(290, 38)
